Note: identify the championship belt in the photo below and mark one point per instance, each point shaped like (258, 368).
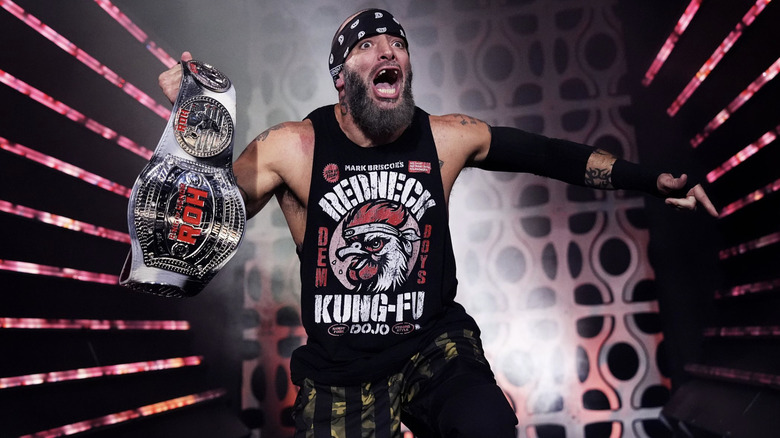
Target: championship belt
(186, 216)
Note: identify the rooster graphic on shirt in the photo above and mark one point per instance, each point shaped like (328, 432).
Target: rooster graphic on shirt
(378, 246)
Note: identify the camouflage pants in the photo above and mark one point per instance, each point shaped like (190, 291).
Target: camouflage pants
(445, 390)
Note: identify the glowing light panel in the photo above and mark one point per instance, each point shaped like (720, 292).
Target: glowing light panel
(121, 417)
(62, 221)
(762, 286)
(744, 154)
(761, 242)
(64, 167)
(733, 374)
(90, 324)
(94, 372)
(53, 271)
(715, 58)
(735, 104)
(72, 114)
(742, 332)
(64, 44)
(750, 198)
(671, 41)
(136, 32)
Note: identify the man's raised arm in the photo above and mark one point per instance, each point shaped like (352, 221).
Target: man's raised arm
(256, 180)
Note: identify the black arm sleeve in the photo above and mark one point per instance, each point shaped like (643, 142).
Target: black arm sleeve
(631, 176)
(514, 150)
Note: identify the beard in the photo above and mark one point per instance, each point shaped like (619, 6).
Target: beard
(375, 122)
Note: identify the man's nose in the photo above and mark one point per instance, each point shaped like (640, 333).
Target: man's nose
(385, 49)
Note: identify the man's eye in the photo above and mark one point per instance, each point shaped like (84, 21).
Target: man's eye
(399, 44)
(365, 45)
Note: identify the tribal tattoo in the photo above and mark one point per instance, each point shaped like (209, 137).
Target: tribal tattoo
(598, 178)
(598, 173)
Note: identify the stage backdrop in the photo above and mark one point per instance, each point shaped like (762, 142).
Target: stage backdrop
(557, 276)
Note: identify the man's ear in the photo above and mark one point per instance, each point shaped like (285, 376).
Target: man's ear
(340, 81)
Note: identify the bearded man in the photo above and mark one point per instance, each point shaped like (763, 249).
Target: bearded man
(378, 356)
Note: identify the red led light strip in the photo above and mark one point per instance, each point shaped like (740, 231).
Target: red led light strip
(740, 100)
(744, 154)
(64, 167)
(716, 57)
(90, 324)
(94, 372)
(761, 242)
(64, 44)
(136, 32)
(53, 271)
(668, 46)
(752, 288)
(72, 114)
(742, 332)
(734, 375)
(750, 198)
(62, 221)
(121, 417)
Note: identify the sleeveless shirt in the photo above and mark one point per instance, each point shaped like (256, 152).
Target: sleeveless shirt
(377, 266)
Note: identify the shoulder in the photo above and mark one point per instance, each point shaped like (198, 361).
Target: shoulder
(458, 125)
(302, 131)
(285, 141)
(456, 121)
(287, 144)
(462, 133)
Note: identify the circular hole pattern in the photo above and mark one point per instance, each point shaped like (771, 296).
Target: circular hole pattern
(623, 361)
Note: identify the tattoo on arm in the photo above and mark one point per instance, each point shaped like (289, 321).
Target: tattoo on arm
(598, 178)
(441, 164)
(267, 132)
(598, 172)
(467, 120)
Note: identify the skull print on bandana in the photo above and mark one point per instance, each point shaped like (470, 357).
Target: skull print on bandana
(366, 24)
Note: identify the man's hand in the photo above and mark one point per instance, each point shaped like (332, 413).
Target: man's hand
(170, 79)
(695, 196)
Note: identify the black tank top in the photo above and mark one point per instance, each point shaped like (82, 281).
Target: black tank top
(377, 266)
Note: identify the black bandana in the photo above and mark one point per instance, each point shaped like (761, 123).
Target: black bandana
(368, 23)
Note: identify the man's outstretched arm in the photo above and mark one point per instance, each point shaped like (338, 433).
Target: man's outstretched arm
(514, 150)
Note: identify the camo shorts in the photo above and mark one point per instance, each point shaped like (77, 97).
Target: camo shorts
(445, 390)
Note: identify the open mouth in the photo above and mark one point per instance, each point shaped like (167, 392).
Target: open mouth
(386, 83)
